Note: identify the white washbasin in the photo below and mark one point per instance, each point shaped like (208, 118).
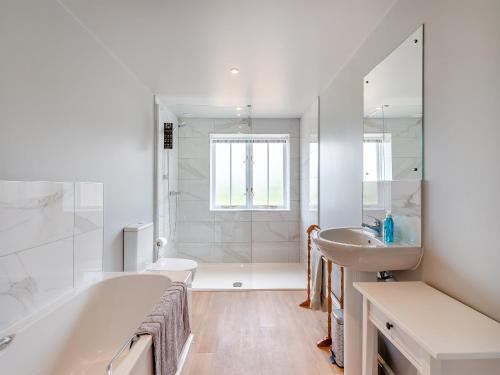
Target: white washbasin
(360, 250)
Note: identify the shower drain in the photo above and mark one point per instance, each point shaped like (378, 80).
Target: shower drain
(237, 284)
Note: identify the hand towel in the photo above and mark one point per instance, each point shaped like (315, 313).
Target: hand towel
(168, 324)
(317, 280)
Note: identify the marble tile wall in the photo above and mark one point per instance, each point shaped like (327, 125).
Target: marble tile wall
(406, 207)
(88, 230)
(51, 239)
(238, 236)
(403, 199)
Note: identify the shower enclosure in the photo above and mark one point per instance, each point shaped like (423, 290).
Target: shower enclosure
(238, 228)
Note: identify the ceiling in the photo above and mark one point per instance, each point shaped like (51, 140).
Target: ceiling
(287, 51)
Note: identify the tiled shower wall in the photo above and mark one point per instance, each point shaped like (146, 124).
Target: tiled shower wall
(51, 239)
(240, 236)
(309, 174)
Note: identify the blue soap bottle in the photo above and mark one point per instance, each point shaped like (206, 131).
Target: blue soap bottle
(388, 228)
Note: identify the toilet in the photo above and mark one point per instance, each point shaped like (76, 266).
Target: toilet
(138, 252)
(138, 255)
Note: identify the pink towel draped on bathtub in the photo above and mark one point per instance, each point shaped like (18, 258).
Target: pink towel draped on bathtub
(168, 324)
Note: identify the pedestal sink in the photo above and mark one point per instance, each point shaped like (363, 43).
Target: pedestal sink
(362, 254)
(360, 250)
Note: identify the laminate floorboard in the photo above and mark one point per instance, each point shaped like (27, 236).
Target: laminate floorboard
(256, 333)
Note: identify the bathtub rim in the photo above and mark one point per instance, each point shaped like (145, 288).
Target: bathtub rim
(37, 315)
(142, 346)
(145, 342)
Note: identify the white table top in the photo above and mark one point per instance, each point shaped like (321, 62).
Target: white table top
(443, 326)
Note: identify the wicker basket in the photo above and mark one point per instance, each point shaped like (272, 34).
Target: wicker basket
(338, 337)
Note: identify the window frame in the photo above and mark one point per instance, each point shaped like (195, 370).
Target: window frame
(249, 171)
(384, 166)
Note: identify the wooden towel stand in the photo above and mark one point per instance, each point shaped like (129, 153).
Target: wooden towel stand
(307, 302)
(327, 340)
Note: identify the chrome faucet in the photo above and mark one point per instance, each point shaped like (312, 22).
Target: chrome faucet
(377, 228)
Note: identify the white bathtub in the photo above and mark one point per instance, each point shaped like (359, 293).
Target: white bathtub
(80, 333)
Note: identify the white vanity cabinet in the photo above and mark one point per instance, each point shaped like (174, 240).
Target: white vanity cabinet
(436, 333)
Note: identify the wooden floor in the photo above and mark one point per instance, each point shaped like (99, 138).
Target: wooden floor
(256, 333)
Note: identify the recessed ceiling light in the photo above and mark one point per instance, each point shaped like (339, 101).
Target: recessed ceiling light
(235, 71)
(238, 114)
(238, 108)
(187, 114)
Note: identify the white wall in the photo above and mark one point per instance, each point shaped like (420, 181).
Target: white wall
(461, 142)
(69, 111)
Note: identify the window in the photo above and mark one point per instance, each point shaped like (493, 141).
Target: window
(377, 167)
(249, 172)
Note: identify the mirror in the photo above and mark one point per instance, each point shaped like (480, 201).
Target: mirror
(392, 140)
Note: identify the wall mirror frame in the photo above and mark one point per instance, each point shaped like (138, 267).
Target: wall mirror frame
(393, 139)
